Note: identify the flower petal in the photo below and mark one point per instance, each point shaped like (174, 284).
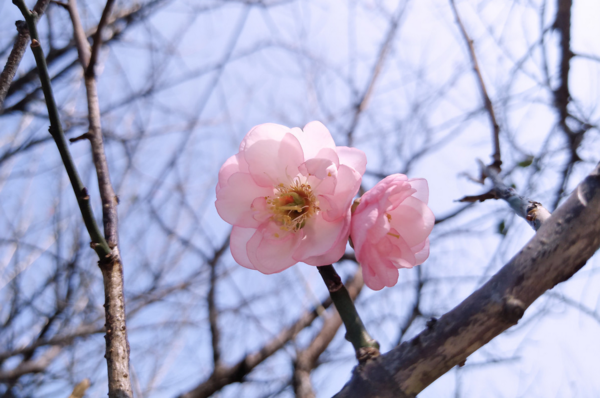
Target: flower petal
(324, 242)
(422, 187)
(413, 220)
(270, 249)
(234, 200)
(313, 138)
(353, 157)
(336, 205)
(273, 160)
(237, 244)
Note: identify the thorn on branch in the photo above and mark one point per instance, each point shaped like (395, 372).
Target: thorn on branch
(84, 194)
(35, 43)
(84, 136)
(485, 196)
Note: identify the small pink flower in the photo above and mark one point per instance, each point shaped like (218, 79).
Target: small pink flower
(390, 229)
(288, 194)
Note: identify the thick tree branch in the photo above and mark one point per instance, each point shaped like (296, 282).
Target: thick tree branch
(562, 245)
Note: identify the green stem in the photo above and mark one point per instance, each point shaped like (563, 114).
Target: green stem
(364, 345)
(83, 200)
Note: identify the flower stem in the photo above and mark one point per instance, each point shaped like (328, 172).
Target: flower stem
(364, 345)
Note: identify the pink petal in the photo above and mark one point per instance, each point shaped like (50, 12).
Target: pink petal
(313, 138)
(413, 220)
(324, 242)
(422, 254)
(270, 249)
(378, 272)
(336, 205)
(274, 161)
(237, 244)
(353, 157)
(422, 188)
(234, 200)
(230, 167)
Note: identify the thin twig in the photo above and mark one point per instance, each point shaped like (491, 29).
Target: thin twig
(486, 98)
(531, 211)
(89, 72)
(363, 101)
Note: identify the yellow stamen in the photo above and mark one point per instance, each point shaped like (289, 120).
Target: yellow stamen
(292, 205)
(394, 235)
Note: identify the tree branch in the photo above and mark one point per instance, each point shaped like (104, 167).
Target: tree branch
(361, 104)
(531, 211)
(562, 245)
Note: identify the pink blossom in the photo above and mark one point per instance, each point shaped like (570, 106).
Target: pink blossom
(288, 193)
(390, 229)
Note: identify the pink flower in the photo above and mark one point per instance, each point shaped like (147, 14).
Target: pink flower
(288, 194)
(390, 229)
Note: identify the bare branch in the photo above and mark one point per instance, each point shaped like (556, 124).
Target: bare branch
(14, 59)
(27, 367)
(363, 101)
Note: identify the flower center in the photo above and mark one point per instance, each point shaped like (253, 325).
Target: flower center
(293, 205)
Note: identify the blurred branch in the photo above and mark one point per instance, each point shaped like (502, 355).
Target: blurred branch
(562, 245)
(14, 59)
(89, 71)
(17, 52)
(562, 94)
(362, 103)
(307, 359)
(223, 376)
(80, 389)
(37, 366)
(212, 307)
(486, 98)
